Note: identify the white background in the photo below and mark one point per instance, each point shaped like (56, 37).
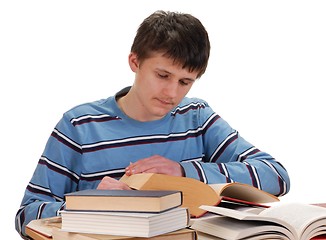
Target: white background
(265, 77)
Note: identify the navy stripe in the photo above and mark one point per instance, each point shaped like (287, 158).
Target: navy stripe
(210, 123)
(281, 182)
(244, 157)
(225, 145)
(99, 176)
(40, 211)
(38, 191)
(21, 215)
(252, 175)
(191, 106)
(199, 173)
(89, 119)
(65, 142)
(223, 172)
(116, 144)
(58, 170)
(124, 142)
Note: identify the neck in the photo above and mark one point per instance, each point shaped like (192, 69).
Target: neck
(132, 107)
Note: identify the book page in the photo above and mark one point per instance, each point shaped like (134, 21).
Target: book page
(233, 229)
(250, 216)
(45, 226)
(300, 216)
(243, 192)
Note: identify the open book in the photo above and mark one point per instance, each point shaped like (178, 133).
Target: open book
(295, 221)
(196, 193)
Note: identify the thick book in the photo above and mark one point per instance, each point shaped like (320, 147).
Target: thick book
(182, 234)
(295, 221)
(50, 228)
(123, 200)
(133, 224)
(41, 229)
(196, 193)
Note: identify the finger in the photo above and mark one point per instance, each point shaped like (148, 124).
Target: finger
(111, 183)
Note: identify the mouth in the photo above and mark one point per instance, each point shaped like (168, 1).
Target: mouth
(165, 102)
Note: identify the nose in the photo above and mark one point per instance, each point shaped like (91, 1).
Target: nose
(171, 89)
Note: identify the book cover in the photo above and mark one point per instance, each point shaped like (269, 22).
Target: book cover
(124, 200)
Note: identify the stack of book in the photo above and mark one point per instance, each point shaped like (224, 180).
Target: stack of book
(153, 210)
(119, 214)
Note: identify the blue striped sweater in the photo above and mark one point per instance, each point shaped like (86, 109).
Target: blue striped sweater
(97, 139)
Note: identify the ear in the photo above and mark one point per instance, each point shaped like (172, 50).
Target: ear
(133, 62)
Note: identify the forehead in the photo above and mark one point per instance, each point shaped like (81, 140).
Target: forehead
(160, 61)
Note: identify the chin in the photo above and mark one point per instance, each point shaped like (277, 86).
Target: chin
(160, 114)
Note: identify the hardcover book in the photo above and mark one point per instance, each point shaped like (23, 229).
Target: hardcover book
(50, 228)
(123, 200)
(133, 224)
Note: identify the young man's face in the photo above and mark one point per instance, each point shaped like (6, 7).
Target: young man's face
(159, 85)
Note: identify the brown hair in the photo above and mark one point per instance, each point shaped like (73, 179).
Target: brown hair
(179, 36)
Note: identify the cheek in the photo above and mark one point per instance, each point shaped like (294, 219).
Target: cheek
(185, 90)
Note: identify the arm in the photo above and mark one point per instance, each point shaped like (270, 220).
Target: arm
(55, 175)
(225, 156)
(230, 158)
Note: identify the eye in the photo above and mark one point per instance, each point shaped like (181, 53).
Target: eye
(160, 75)
(184, 82)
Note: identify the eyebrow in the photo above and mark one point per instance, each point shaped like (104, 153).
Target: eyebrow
(165, 71)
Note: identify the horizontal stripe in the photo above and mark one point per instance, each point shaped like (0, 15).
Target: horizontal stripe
(93, 118)
(253, 175)
(246, 153)
(59, 169)
(282, 183)
(65, 140)
(186, 108)
(226, 142)
(95, 176)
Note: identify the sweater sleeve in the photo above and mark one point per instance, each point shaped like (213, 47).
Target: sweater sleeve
(56, 173)
(228, 157)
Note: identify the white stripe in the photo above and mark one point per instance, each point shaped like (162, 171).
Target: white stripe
(39, 188)
(60, 167)
(187, 106)
(245, 153)
(226, 171)
(202, 171)
(90, 116)
(19, 223)
(274, 169)
(38, 216)
(255, 174)
(193, 160)
(102, 173)
(222, 144)
(147, 137)
(67, 139)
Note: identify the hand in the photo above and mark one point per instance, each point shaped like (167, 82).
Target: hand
(108, 183)
(155, 164)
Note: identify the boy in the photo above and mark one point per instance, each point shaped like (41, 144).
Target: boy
(149, 127)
